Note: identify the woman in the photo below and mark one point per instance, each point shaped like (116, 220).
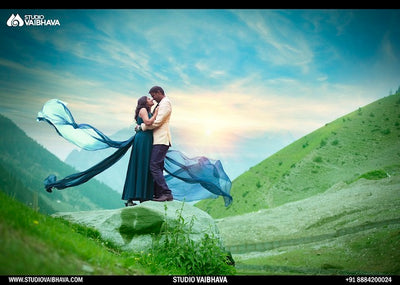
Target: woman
(190, 179)
(139, 182)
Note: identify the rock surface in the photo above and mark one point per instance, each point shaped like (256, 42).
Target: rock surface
(132, 227)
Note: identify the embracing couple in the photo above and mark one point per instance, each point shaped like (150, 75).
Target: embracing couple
(145, 179)
(192, 179)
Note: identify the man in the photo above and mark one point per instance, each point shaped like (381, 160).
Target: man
(161, 144)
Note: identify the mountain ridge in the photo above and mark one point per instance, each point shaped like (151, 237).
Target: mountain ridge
(362, 141)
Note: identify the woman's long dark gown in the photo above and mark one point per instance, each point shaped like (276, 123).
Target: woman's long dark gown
(139, 184)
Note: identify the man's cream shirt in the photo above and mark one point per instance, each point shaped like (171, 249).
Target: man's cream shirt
(160, 127)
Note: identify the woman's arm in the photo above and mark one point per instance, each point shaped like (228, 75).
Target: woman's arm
(145, 117)
(164, 113)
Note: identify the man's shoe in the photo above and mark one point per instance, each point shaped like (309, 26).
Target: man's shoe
(164, 197)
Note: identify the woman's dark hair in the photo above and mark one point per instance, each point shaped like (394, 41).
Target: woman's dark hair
(141, 103)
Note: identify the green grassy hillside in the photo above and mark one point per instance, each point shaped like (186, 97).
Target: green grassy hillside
(34, 243)
(23, 166)
(348, 229)
(364, 142)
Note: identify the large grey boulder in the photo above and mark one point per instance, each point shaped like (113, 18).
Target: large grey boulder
(132, 227)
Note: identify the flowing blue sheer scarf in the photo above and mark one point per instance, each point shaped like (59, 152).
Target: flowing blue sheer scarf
(190, 179)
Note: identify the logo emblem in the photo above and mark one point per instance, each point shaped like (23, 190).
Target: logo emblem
(15, 20)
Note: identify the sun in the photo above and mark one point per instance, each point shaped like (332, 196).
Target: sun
(208, 132)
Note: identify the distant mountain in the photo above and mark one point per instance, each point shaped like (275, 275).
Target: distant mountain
(23, 166)
(363, 142)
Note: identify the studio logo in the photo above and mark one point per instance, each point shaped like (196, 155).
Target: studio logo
(31, 20)
(14, 21)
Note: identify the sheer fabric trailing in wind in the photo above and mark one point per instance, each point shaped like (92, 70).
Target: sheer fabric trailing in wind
(56, 113)
(190, 179)
(196, 178)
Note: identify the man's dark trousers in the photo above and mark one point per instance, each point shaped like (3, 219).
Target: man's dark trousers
(157, 158)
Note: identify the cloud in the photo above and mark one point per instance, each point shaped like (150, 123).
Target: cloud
(231, 115)
(282, 42)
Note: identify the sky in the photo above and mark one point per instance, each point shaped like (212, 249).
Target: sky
(243, 83)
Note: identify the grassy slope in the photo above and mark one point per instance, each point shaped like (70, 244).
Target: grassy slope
(327, 204)
(37, 244)
(348, 229)
(372, 252)
(33, 243)
(24, 164)
(341, 151)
